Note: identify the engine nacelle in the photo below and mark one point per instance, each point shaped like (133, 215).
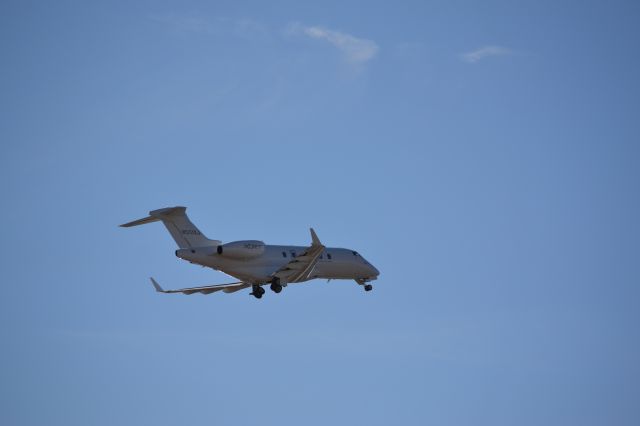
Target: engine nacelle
(242, 249)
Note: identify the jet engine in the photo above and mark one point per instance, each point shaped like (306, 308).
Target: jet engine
(241, 249)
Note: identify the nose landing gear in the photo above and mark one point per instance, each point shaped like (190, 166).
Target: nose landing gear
(363, 282)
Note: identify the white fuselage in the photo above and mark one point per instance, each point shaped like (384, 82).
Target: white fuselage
(334, 263)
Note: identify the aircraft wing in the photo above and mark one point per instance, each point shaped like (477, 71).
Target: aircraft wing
(206, 289)
(301, 266)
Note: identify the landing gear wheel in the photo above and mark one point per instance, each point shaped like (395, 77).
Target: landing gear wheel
(257, 291)
(277, 288)
(275, 285)
(368, 287)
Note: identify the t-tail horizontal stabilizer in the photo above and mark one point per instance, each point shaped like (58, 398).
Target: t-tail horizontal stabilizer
(175, 219)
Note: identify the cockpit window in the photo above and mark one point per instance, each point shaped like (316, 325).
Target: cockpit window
(355, 253)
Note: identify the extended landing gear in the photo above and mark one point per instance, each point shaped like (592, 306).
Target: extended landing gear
(363, 283)
(276, 287)
(257, 291)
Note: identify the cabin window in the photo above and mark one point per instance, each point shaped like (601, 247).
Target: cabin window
(329, 256)
(293, 254)
(284, 254)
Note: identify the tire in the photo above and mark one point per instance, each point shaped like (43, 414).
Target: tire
(257, 291)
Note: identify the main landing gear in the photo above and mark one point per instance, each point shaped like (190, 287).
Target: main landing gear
(275, 285)
(368, 287)
(257, 291)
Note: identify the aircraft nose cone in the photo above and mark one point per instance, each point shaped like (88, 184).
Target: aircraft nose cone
(374, 270)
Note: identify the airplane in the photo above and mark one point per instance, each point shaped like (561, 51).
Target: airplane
(255, 263)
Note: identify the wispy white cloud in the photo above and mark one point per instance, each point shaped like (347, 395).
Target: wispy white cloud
(484, 52)
(355, 50)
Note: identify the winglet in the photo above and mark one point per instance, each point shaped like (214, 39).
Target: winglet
(157, 286)
(315, 241)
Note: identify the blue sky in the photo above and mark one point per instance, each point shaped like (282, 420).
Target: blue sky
(484, 156)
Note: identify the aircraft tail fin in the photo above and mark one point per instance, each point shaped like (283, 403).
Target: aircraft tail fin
(175, 219)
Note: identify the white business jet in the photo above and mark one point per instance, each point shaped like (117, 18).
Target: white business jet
(256, 264)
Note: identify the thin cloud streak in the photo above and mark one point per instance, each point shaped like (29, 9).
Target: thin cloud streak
(355, 50)
(484, 52)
